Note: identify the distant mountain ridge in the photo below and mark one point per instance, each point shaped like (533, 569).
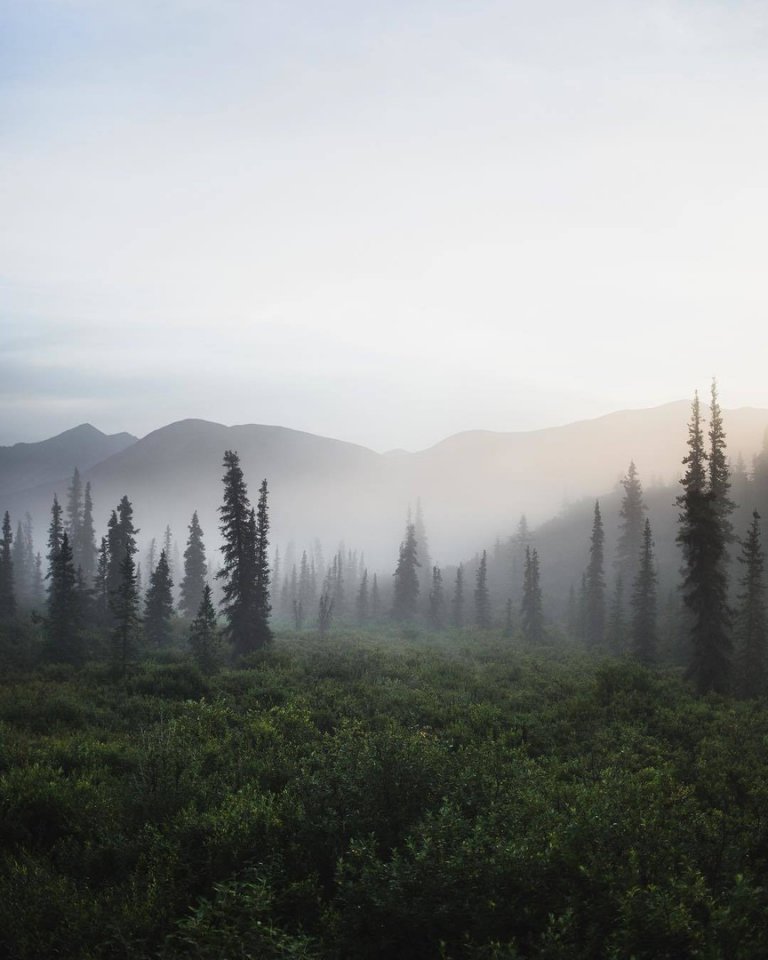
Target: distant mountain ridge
(473, 485)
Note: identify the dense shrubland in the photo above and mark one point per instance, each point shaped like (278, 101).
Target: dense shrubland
(390, 794)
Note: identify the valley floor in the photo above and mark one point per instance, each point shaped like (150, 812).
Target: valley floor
(381, 795)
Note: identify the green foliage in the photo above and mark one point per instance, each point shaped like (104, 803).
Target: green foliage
(383, 796)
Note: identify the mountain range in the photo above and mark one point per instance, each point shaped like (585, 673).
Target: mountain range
(473, 485)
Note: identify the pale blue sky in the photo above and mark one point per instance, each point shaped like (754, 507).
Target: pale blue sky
(384, 222)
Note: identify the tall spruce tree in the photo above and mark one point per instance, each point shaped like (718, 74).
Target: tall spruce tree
(75, 516)
(238, 572)
(644, 614)
(121, 542)
(124, 609)
(101, 585)
(457, 601)
(7, 589)
(595, 584)
(263, 607)
(406, 593)
(531, 610)
(751, 623)
(437, 600)
(363, 600)
(631, 516)
(22, 565)
(616, 626)
(204, 634)
(705, 583)
(85, 554)
(55, 531)
(64, 620)
(482, 597)
(195, 571)
(719, 472)
(158, 605)
(422, 548)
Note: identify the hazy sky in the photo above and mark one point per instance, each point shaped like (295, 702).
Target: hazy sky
(381, 221)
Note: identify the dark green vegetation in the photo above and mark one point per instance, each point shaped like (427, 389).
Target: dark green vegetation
(393, 795)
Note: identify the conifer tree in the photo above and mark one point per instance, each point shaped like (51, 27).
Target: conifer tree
(204, 634)
(22, 568)
(406, 578)
(158, 606)
(482, 599)
(437, 600)
(64, 620)
(644, 632)
(85, 554)
(375, 600)
(168, 548)
(719, 473)
(631, 516)
(124, 609)
(38, 590)
(75, 516)
(457, 603)
(195, 571)
(121, 542)
(261, 553)
(531, 608)
(238, 572)
(422, 550)
(363, 604)
(7, 590)
(55, 531)
(101, 585)
(595, 583)
(305, 592)
(616, 629)
(751, 615)
(325, 613)
(705, 584)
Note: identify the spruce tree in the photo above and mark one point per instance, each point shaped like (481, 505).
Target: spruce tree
(121, 542)
(85, 554)
(595, 584)
(422, 551)
(238, 571)
(437, 600)
(719, 473)
(304, 590)
(22, 568)
(75, 516)
(631, 515)
(363, 604)
(158, 606)
(101, 585)
(64, 620)
(204, 634)
(406, 594)
(263, 607)
(531, 611)
(38, 589)
(752, 627)
(616, 629)
(644, 629)
(457, 603)
(705, 584)
(195, 571)
(55, 531)
(7, 590)
(375, 600)
(124, 609)
(482, 599)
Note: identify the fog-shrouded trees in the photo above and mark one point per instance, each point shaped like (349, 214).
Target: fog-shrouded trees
(703, 538)
(482, 597)
(158, 604)
(64, 617)
(531, 609)
(644, 632)
(457, 601)
(7, 589)
(630, 539)
(245, 571)
(195, 571)
(594, 614)
(362, 604)
(437, 600)
(751, 623)
(204, 634)
(406, 591)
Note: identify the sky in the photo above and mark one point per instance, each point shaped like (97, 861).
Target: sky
(380, 221)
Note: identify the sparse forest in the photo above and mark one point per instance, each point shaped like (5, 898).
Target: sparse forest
(545, 750)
